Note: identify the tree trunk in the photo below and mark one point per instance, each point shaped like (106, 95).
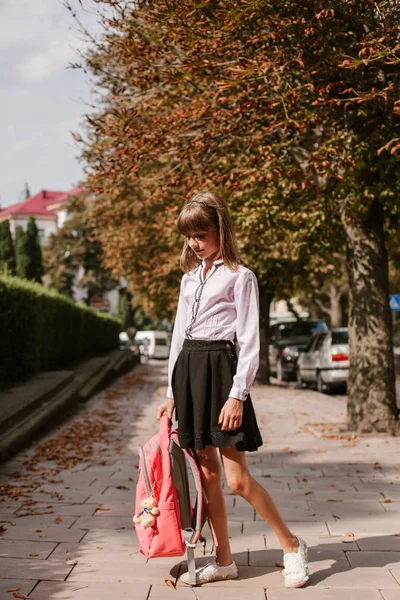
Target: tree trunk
(265, 303)
(371, 385)
(336, 315)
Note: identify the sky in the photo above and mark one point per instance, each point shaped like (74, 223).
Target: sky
(41, 100)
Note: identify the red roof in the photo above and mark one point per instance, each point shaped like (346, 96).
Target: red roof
(37, 205)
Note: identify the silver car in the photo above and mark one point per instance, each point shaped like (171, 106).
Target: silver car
(325, 361)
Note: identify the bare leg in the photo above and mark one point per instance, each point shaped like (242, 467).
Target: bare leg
(241, 482)
(216, 509)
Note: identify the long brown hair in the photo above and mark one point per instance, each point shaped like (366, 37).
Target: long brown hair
(205, 210)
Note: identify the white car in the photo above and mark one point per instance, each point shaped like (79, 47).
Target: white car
(325, 361)
(153, 344)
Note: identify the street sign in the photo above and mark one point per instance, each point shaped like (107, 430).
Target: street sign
(394, 301)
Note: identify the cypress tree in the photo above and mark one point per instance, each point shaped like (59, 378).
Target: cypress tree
(7, 255)
(35, 263)
(21, 252)
(125, 312)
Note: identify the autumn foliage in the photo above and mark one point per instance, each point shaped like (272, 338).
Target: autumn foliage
(290, 110)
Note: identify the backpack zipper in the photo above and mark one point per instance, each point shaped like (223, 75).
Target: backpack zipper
(145, 473)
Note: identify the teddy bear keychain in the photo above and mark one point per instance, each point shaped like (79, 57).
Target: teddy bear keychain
(147, 516)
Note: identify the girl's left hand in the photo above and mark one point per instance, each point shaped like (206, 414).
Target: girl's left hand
(231, 414)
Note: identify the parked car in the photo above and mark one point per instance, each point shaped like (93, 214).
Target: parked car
(325, 362)
(287, 339)
(157, 345)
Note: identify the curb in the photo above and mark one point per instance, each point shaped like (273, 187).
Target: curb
(35, 406)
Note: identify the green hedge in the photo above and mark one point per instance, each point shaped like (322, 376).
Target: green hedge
(42, 330)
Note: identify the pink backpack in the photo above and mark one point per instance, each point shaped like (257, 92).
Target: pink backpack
(172, 522)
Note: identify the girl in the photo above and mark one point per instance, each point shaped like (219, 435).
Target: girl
(208, 385)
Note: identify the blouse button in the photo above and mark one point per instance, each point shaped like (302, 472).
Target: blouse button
(227, 345)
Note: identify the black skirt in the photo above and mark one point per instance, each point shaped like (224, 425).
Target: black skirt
(201, 381)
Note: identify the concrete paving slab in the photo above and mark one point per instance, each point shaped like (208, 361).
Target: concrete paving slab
(114, 509)
(119, 536)
(111, 498)
(106, 522)
(205, 593)
(25, 549)
(43, 521)
(125, 572)
(391, 594)
(310, 593)
(21, 586)
(49, 534)
(347, 508)
(396, 575)
(303, 528)
(50, 590)
(337, 496)
(381, 543)
(357, 578)
(24, 568)
(374, 559)
(381, 523)
(61, 509)
(94, 551)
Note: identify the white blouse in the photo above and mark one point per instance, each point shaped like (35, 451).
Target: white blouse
(226, 304)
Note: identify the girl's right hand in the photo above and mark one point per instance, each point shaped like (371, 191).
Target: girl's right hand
(168, 405)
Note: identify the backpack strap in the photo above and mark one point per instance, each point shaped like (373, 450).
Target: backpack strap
(193, 535)
(200, 496)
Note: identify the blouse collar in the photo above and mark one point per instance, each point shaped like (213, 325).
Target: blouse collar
(215, 262)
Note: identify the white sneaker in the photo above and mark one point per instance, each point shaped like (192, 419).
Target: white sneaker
(295, 565)
(212, 572)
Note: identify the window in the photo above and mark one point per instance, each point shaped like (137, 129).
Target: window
(300, 328)
(320, 341)
(161, 342)
(340, 337)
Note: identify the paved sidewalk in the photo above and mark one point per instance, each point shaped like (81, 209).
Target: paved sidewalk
(65, 519)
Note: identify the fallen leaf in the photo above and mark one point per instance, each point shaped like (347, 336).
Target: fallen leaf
(349, 533)
(33, 554)
(99, 547)
(13, 589)
(57, 520)
(385, 500)
(71, 562)
(102, 508)
(18, 595)
(307, 493)
(279, 564)
(170, 584)
(122, 487)
(346, 541)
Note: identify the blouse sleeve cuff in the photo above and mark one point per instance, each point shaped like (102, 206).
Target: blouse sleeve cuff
(170, 393)
(238, 392)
